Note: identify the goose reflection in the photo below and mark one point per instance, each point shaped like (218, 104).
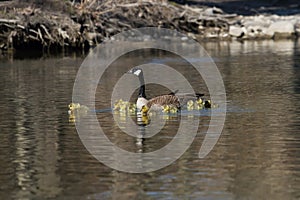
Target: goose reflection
(142, 121)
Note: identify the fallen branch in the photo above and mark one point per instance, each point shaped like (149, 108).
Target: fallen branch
(9, 21)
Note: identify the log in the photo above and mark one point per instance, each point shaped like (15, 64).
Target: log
(9, 21)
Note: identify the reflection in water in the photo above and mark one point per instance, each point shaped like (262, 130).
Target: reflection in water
(262, 73)
(31, 104)
(257, 156)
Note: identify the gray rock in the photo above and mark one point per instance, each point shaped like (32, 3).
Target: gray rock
(257, 32)
(281, 28)
(236, 31)
(260, 21)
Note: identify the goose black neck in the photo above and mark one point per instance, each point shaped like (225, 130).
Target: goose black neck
(142, 86)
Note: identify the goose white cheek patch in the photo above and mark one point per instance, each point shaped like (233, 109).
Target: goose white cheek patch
(137, 72)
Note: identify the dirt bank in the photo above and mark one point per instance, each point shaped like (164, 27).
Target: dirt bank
(53, 24)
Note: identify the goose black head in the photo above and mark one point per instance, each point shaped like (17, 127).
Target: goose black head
(139, 73)
(136, 71)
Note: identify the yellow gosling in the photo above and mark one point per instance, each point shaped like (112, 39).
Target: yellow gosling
(198, 106)
(123, 108)
(131, 110)
(173, 110)
(190, 105)
(116, 106)
(165, 108)
(199, 101)
(126, 104)
(76, 108)
(73, 106)
(144, 110)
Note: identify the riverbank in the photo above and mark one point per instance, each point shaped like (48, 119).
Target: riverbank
(62, 25)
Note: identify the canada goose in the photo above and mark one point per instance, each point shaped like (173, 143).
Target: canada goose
(158, 102)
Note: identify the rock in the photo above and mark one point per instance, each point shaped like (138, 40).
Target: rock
(282, 29)
(261, 21)
(257, 32)
(213, 11)
(236, 31)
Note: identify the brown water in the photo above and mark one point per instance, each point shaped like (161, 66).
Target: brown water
(256, 157)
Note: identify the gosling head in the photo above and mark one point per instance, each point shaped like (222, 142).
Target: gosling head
(199, 101)
(73, 106)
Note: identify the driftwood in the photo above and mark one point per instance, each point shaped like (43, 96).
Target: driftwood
(89, 23)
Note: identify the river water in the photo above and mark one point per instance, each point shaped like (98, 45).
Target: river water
(256, 157)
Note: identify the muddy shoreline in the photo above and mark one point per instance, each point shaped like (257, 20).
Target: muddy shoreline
(59, 25)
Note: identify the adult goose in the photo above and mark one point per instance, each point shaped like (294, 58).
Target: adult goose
(158, 102)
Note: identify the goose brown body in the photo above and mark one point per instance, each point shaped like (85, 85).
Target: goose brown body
(163, 100)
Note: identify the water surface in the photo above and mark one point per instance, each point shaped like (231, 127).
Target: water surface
(256, 157)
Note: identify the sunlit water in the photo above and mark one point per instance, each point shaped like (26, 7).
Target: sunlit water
(256, 157)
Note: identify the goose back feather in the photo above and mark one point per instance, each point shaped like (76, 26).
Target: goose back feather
(164, 100)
